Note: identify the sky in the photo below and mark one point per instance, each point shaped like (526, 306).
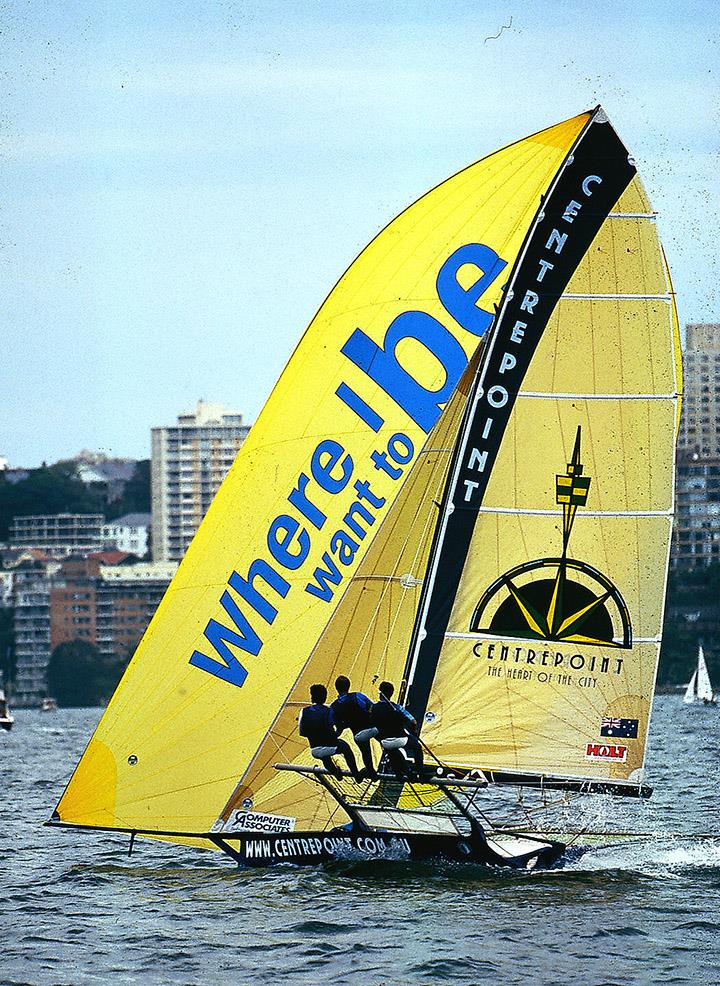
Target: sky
(185, 181)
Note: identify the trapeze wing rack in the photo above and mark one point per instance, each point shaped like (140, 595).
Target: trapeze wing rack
(486, 776)
(445, 780)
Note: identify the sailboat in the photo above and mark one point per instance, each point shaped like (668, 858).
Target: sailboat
(6, 717)
(462, 483)
(699, 687)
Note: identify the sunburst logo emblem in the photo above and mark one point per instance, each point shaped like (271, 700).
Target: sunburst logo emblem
(559, 599)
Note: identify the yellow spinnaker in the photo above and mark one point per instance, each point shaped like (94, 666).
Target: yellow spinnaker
(311, 486)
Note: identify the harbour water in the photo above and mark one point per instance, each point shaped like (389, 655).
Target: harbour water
(75, 909)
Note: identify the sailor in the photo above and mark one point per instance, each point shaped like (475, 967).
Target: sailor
(351, 710)
(317, 726)
(396, 731)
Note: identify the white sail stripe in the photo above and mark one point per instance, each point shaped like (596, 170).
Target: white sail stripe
(596, 397)
(616, 297)
(632, 215)
(457, 635)
(585, 513)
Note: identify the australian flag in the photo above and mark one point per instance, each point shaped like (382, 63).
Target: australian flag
(623, 728)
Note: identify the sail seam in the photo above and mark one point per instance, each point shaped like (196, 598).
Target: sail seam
(615, 297)
(632, 215)
(463, 635)
(586, 513)
(380, 578)
(597, 397)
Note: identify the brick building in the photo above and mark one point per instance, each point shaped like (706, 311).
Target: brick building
(81, 598)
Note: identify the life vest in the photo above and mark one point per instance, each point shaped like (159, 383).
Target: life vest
(316, 725)
(351, 710)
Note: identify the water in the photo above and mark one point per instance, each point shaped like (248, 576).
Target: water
(76, 910)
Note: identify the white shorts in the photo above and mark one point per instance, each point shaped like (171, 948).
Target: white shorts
(394, 742)
(320, 752)
(365, 735)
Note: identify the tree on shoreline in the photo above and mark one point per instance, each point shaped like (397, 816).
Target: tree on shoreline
(79, 675)
(692, 615)
(58, 489)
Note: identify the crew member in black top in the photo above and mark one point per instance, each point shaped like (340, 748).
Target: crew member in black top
(351, 710)
(317, 726)
(396, 731)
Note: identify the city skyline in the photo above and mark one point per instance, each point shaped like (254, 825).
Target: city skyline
(187, 185)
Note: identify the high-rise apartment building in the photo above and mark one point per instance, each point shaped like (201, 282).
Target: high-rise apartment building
(32, 632)
(189, 462)
(696, 535)
(72, 602)
(700, 419)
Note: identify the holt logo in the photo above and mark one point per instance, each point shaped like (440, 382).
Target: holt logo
(605, 751)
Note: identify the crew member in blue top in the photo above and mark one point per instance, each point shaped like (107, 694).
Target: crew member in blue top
(396, 731)
(351, 710)
(317, 726)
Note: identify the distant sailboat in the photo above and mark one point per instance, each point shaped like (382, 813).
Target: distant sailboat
(6, 719)
(399, 511)
(699, 687)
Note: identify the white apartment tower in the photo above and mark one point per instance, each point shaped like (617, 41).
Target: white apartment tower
(696, 534)
(189, 462)
(700, 420)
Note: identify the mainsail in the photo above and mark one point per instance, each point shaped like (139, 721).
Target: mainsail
(344, 430)
(538, 641)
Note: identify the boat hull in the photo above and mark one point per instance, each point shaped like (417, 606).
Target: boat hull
(313, 848)
(6, 723)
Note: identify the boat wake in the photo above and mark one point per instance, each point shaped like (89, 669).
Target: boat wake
(651, 856)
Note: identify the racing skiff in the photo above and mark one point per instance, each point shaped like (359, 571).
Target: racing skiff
(461, 483)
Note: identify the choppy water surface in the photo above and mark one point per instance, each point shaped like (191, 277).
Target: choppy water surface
(75, 909)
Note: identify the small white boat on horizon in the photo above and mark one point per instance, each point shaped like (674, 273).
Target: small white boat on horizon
(6, 718)
(699, 687)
